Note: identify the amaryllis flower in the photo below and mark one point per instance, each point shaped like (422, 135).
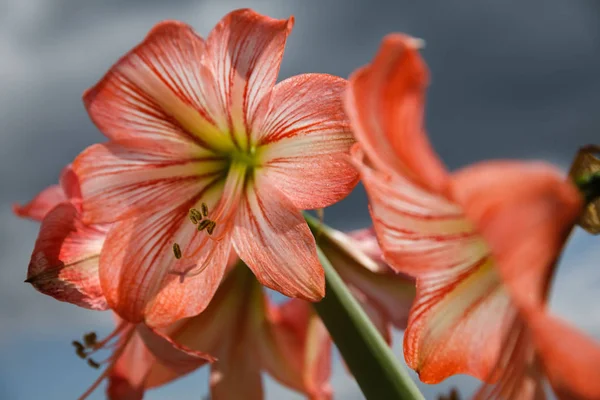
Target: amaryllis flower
(201, 125)
(249, 335)
(245, 331)
(386, 296)
(481, 241)
(64, 265)
(64, 261)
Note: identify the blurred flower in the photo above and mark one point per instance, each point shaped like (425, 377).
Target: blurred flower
(200, 126)
(384, 294)
(481, 242)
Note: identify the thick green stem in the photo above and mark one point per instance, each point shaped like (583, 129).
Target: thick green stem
(368, 356)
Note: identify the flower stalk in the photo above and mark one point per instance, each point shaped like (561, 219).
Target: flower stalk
(369, 358)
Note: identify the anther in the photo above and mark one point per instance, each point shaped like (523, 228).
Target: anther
(204, 209)
(93, 363)
(211, 227)
(204, 224)
(79, 349)
(195, 216)
(90, 339)
(177, 251)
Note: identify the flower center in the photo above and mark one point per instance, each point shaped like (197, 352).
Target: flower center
(249, 157)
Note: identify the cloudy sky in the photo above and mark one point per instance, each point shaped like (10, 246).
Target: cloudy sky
(510, 79)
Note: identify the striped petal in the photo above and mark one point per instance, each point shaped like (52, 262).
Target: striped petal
(244, 51)
(64, 262)
(158, 96)
(295, 348)
(273, 239)
(143, 280)
(305, 140)
(228, 329)
(118, 182)
(385, 104)
(517, 374)
(457, 322)
(524, 211)
(418, 231)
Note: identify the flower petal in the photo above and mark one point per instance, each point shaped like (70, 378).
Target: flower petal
(524, 211)
(305, 140)
(245, 51)
(385, 104)
(141, 276)
(517, 374)
(570, 359)
(457, 322)
(173, 359)
(296, 349)
(64, 262)
(273, 239)
(386, 296)
(419, 231)
(41, 204)
(127, 378)
(157, 97)
(117, 182)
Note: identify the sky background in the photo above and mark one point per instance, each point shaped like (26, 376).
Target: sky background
(510, 79)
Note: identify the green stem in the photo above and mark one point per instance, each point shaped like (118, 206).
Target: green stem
(368, 356)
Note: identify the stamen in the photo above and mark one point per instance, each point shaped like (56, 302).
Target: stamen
(93, 363)
(204, 224)
(90, 339)
(79, 349)
(177, 251)
(195, 215)
(211, 227)
(204, 209)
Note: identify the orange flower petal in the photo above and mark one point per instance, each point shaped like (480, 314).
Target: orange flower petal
(143, 280)
(41, 204)
(419, 231)
(64, 262)
(517, 374)
(524, 211)
(457, 322)
(570, 359)
(244, 52)
(385, 105)
(273, 239)
(295, 348)
(118, 182)
(157, 97)
(306, 138)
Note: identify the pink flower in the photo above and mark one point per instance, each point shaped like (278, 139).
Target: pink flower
(197, 124)
(386, 296)
(241, 328)
(248, 335)
(481, 241)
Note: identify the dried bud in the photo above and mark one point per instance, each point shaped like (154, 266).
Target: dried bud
(585, 166)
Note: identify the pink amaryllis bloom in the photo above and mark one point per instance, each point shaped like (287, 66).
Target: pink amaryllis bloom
(64, 265)
(386, 296)
(245, 331)
(201, 125)
(249, 335)
(481, 242)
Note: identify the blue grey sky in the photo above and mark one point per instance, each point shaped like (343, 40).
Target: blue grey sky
(510, 79)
